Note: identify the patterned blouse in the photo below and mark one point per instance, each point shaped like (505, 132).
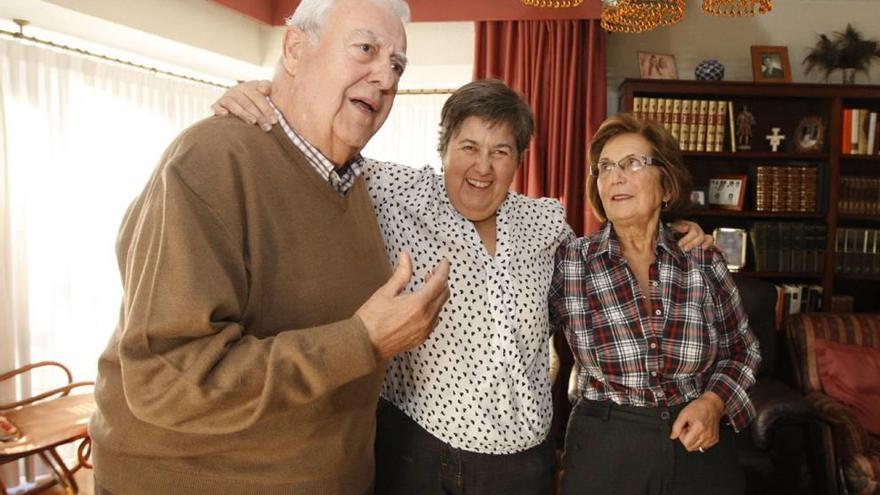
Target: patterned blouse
(696, 337)
(480, 382)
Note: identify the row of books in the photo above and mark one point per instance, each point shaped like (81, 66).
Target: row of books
(859, 195)
(856, 251)
(786, 188)
(797, 298)
(788, 247)
(861, 132)
(807, 298)
(699, 125)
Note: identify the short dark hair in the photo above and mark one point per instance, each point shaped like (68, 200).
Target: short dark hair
(676, 179)
(492, 100)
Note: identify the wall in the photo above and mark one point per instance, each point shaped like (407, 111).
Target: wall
(441, 54)
(792, 23)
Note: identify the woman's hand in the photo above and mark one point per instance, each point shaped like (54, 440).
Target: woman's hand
(696, 426)
(693, 235)
(247, 101)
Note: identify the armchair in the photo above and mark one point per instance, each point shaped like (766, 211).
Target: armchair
(851, 458)
(45, 422)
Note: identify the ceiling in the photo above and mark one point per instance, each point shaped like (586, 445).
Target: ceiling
(273, 12)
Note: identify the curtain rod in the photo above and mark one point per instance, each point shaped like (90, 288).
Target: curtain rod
(21, 36)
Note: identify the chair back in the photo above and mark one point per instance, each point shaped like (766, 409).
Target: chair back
(802, 330)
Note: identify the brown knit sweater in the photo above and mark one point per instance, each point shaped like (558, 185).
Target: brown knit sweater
(237, 366)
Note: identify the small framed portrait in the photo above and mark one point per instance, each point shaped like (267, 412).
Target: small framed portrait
(698, 197)
(732, 243)
(770, 64)
(810, 134)
(727, 192)
(657, 66)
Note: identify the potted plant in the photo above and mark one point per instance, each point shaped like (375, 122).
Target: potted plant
(846, 51)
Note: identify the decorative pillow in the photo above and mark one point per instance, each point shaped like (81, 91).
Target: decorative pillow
(851, 374)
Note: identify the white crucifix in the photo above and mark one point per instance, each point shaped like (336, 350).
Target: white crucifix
(775, 138)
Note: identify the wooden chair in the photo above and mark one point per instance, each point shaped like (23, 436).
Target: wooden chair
(45, 422)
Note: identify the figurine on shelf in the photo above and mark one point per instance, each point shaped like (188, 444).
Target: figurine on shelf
(775, 138)
(745, 121)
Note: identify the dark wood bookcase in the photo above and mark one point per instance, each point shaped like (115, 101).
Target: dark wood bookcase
(783, 106)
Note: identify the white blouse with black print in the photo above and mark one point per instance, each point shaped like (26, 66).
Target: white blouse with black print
(480, 381)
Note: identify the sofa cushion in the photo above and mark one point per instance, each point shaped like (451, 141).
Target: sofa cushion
(851, 374)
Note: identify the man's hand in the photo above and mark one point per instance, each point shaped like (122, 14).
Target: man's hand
(398, 322)
(696, 426)
(693, 235)
(247, 101)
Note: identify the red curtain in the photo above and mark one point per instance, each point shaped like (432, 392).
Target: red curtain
(559, 67)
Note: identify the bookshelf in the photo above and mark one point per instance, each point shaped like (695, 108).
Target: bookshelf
(846, 178)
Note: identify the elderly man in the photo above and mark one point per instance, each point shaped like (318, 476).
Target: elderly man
(255, 325)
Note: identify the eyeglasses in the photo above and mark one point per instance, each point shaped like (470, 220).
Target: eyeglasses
(629, 164)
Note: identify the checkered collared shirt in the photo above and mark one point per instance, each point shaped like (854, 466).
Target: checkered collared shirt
(340, 178)
(696, 338)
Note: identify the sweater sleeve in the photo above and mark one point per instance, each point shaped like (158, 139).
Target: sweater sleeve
(188, 363)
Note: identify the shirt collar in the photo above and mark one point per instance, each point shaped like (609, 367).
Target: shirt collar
(341, 178)
(607, 243)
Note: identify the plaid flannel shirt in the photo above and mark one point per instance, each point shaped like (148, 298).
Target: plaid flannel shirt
(696, 338)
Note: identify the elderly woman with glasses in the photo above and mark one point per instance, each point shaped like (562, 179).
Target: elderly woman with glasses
(662, 345)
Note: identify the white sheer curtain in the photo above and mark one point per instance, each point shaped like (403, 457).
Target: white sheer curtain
(409, 136)
(78, 139)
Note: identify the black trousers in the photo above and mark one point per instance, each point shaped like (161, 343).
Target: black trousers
(620, 450)
(411, 461)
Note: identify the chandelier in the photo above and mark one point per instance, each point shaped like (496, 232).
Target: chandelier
(638, 16)
(556, 4)
(736, 8)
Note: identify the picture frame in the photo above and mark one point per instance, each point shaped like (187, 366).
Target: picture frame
(657, 66)
(809, 134)
(770, 64)
(732, 244)
(699, 197)
(727, 192)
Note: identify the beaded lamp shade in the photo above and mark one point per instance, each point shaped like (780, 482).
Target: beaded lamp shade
(555, 4)
(637, 16)
(737, 8)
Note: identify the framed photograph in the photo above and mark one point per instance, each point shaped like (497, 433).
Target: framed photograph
(810, 134)
(732, 243)
(770, 64)
(727, 192)
(657, 66)
(698, 197)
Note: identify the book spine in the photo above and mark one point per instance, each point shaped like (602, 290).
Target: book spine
(699, 141)
(732, 132)
(676, 121)
(712, 109)
(720, 123)
(847, 129)
(863, 131)
(854, 131)
(685, 132)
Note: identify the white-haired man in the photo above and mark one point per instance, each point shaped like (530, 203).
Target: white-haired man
(258, 311)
